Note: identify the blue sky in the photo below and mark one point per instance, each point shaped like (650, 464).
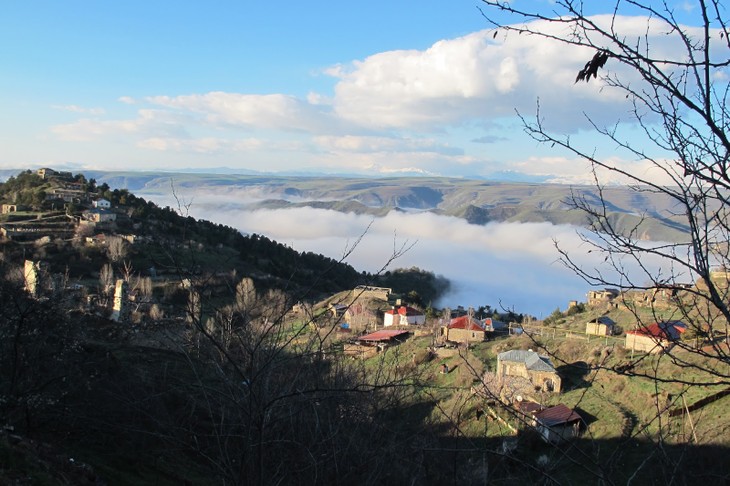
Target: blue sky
(374, 88)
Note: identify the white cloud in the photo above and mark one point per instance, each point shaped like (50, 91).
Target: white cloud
(80, 109)
(401, 110)
(512, 263)
(274, 111)
(87, 129)
(200, 145)
(369, 144)
(576, 171)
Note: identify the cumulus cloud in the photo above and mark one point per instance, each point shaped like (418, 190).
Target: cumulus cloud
(400, 110)
(478, 76)
(277, 111)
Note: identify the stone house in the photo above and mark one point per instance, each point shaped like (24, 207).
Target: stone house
(601, 326)
(655, 338)
(539, 370)
(359, 315)
(464, 329)
(100, 215)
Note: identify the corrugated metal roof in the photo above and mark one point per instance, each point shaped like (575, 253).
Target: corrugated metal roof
(529, 408)
(532, 360)
(383, 335)
(464, 322)
(559, 414)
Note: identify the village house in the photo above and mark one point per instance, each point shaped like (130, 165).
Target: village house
(528, 364)
(602, 297)
(601, 326)
(655, 338)
(403, 316)
(101, 203)
(46, 173)
(99, 215)
(464, 329)
(359, 315)
(337, 310)
(67, 195)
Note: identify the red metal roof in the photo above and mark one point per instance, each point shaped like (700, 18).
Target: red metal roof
(404, 310)
(383, 335)
(661, 330)
(529, 408)
(463, 322)
(559, 414)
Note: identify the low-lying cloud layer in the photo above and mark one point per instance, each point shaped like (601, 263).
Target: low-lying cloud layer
(512, 265)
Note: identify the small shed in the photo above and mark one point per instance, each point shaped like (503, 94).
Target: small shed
(601, 326)
(387, 336)
(557, 424)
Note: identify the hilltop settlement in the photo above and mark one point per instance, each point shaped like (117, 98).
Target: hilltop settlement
(141, 346)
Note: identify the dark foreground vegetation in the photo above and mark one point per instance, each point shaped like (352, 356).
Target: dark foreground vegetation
(228, 364)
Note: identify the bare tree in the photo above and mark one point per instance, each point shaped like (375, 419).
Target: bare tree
(106, 277)
(116, 248)
(678, 102)
(672, 73)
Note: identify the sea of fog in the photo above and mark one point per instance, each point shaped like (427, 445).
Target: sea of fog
(505, 265)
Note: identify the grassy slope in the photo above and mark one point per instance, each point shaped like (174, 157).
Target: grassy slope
(620, 410)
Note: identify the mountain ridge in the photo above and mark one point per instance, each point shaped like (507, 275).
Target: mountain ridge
(650, 216)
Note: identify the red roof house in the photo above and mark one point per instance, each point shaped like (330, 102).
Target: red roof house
(464, 329)
(656, 337)
(403, 316)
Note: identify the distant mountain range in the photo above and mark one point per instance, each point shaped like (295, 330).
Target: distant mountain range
(477, 201)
